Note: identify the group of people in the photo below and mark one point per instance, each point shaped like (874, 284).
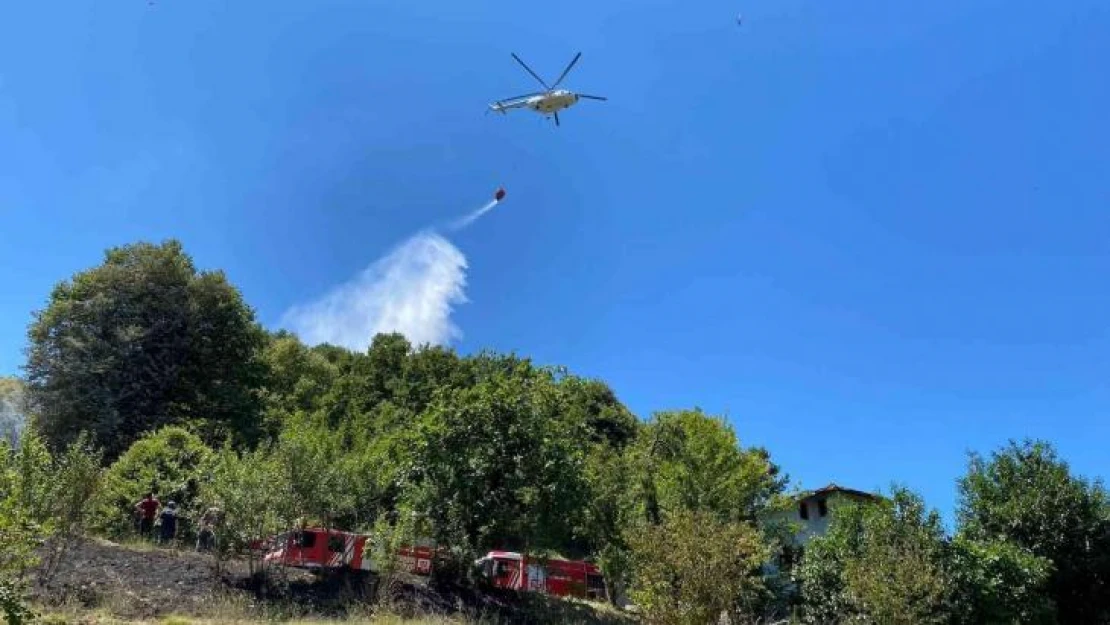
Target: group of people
(150, 513)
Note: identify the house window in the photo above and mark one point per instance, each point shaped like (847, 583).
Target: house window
(822, 507)
(803, 511)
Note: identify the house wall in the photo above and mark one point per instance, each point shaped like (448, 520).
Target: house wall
(816, 525)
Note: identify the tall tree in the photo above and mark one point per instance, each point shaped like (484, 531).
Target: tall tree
(496, 466)
(592, 402)
(688, 460)
(141, 341)
(1026, 495)
(297, 380)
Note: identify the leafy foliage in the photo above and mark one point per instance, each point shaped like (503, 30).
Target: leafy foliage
(140, 342)
(167, 462)
(12, 606)
(878, 563)
(44, 505)
(498, 465)
(246, 487)
(75, 480)
(689, 460)
(1025, 495)
(999, 582)
(609, 512)
(694, 567)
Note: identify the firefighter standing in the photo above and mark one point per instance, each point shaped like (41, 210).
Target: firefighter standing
(209, 521)
(147, 509)
(169, 523)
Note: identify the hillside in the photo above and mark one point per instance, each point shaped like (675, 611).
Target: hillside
(141, 583)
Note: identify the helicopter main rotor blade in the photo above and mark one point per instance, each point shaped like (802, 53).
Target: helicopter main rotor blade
(592, 97)
(521, 97)
(534, 74)
(567, 70)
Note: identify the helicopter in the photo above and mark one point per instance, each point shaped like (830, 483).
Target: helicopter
(549, 102)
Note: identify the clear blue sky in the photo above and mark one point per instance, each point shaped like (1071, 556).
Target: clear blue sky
(875, 234)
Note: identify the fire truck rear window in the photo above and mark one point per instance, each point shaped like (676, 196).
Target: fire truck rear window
(335, 544)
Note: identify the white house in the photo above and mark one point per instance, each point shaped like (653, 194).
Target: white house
(813, 510)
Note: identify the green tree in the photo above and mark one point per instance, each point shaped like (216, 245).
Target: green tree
(74, 481)
(248, 488)
(594, 404)
(310, 466)
(44, 507)
(168, 462)
(610, 511)
(20, 534)
(1025, 494)
(998, 583)
(297, 380)
(881, 562)
(694, 567)
(142, 341)
(496, 465)
(689, 460)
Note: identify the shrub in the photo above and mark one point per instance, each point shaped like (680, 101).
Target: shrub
(168, 462)
(694, 567)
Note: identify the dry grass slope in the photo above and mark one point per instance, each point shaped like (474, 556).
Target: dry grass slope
(101, 582)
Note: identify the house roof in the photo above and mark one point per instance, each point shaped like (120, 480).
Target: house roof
(834, 488)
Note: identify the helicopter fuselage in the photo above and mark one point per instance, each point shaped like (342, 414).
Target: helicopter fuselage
(552, 102)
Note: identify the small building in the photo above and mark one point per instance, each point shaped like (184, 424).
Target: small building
(812, 512)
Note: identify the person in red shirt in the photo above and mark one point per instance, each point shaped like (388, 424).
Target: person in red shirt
(147, 509)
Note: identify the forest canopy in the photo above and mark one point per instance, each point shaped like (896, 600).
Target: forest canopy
(146, 374)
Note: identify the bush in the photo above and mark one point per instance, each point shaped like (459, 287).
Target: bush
(168, 462)
(998, 582)
(882, 563)
(76, 479)
(12, 606)
(694, 567)
(248, 490)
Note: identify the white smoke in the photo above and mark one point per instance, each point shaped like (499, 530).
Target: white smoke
(12, 419)
(412, 290)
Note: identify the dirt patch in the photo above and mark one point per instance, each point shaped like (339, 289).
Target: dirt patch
(131, 582)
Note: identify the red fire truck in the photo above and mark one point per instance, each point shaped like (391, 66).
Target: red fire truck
(333, 550)
(323, 549)
(575, 578)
